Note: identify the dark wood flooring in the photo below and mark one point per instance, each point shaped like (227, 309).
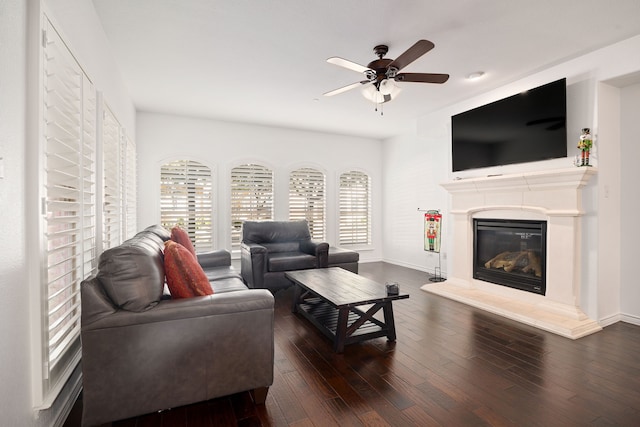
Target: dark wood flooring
(452, 365)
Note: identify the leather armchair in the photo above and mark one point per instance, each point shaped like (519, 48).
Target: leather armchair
(271, 248)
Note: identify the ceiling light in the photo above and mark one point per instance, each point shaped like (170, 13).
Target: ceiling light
(389, 87)
(475, 75)
(373, 94)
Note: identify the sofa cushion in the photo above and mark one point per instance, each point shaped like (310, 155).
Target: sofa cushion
(218, 273)
(185, 277)
(148, 240)
(286, 261)
(229, 284)
(159, 231)
(282, 247)
(180, 235)
(132, 276)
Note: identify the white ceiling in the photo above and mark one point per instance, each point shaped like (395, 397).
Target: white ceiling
(264, 62)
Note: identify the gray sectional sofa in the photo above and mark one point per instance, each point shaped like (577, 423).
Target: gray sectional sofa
(143, 351)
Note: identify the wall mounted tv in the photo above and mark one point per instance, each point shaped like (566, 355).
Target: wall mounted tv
(526, 127)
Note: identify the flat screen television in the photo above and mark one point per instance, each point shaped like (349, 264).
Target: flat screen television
(527, 127)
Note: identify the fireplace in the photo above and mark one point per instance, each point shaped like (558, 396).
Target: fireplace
(510, 253)
(550, 201)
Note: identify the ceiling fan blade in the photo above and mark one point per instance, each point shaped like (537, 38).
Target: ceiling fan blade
(422, 77)
(414, 52)
(345, 63)
(345, 88)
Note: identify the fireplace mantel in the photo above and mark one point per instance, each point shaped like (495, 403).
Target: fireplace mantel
(573, 178)
(553, 196)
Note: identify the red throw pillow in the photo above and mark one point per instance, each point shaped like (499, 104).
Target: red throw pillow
(179, 235)
(185, 277)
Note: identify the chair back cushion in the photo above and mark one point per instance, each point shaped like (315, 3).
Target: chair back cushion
(262, 232)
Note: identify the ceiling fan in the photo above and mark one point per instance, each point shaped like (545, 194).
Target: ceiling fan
(380, 74)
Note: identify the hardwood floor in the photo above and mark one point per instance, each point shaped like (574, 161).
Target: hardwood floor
(452, 365)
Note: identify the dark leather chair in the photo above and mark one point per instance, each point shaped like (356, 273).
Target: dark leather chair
(271, 248)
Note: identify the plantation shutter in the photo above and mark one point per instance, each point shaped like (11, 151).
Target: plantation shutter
(307, 199)
(130, 195)
(251, 197)
(186, 199)
(68, 205)
(355, 207)
(112, 187)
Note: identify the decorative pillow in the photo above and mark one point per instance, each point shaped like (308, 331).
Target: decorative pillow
(179, 235)
(185, 277)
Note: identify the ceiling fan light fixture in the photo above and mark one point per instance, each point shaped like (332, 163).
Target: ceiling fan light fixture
(371, 93)
(389, 87)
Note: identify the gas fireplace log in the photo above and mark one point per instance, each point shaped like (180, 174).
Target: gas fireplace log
(524, 261)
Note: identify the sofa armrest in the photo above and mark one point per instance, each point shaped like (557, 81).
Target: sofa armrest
(318, 249)
(217, 258)
(253, 264)
(177, 353)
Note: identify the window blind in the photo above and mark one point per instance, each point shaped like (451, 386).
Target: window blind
(307, 199)
(186, 199)
(130, 179)
(68, 208)
(355, 209)
(112, 190)
(251, 197)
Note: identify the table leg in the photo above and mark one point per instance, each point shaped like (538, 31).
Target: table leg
(297, 291)
(341, 330)
(389, 321)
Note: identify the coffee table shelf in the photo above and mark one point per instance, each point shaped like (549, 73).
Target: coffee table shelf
(325, 317)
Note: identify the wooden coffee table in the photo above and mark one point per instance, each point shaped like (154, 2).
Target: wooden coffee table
(329, 298)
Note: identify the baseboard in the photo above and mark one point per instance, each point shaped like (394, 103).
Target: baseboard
(629, 318)
(414, 267)
(619, 317)
(610, 320)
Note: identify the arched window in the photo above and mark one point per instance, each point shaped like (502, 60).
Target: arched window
(186, 199)
(307, 200)
(251, 197)
(355, 209)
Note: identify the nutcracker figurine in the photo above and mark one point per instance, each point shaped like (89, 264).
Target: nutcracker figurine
(432, 221)
(585, 145)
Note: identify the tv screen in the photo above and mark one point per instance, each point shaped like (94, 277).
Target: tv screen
(526, 127)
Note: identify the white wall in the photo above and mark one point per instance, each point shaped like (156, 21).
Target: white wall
(15, 394)
(223, 145)
(630, 202)
(18, 19)
(416, 164)
(607, 251)
(413, 167)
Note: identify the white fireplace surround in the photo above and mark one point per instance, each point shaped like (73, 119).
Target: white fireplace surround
(553, 196)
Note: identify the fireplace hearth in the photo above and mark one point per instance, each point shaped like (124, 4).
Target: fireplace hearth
(510, 253)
